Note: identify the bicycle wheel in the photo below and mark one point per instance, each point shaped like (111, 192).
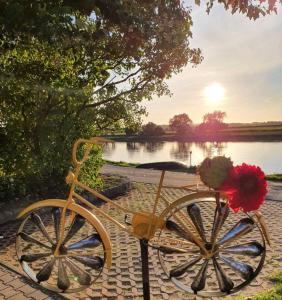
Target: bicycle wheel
(81, 256)
(233, 250)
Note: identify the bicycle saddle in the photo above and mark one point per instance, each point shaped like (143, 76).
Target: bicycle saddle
(165, 166)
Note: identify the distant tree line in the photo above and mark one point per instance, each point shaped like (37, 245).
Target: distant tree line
(183, 126)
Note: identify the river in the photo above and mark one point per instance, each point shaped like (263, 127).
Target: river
(267, 155)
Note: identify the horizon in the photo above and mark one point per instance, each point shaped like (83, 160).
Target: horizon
(236, 123)
(234, 77)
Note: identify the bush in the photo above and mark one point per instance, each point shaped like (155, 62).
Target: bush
(47, 179)
(151, 129)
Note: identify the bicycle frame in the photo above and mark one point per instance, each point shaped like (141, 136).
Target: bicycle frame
(144, 224)
(187, 235)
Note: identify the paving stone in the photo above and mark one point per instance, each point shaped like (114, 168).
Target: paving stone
(124, 279)
(17, 283)
(26, 289)
(6, 278)
(9, 292)
(18, 296)
(38, 295)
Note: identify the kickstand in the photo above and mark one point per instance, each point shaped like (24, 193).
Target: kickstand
(145, 269)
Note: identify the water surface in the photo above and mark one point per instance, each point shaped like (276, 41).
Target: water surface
(267, 155)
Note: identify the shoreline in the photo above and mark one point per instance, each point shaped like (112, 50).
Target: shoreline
(193, 139)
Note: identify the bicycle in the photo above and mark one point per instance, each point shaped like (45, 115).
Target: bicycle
(195, 244)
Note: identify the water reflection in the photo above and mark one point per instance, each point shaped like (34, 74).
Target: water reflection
(268, 157)
(152, 146)
(133, 147)
(109, 149)
(181, 151)
(211, 149)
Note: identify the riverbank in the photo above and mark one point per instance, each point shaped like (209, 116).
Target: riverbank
(197, 139)
(231, 133)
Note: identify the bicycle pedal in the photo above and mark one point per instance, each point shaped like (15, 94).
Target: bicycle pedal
(126, 217)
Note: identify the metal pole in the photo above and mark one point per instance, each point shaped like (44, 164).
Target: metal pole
(190, 158)
(145, 269)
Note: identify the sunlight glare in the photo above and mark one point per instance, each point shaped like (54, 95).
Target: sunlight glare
(214, 93)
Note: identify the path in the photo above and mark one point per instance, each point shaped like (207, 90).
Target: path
(177, 178)
(123, 280)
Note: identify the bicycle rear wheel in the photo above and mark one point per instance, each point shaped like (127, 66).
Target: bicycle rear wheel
(233, 251)
(81, 256)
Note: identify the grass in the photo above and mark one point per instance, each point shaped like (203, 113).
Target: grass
(274, 177)
(191, 170)
(274, 293)
(121, 163)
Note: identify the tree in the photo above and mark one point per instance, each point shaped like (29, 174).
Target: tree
(181, 124)
(151, 129)
(214, 118)
(212, 122)
(75, 68)
(252, 9)
(132, 126)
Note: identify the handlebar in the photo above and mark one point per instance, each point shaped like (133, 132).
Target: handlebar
(89, 144)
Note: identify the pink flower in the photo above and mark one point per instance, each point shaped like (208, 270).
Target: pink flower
(245, 187)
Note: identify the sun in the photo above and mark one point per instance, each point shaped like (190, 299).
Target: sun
(214, 93)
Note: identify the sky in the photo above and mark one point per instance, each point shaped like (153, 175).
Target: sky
(241, 73)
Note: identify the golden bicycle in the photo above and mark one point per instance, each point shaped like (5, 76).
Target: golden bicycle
(202, 247)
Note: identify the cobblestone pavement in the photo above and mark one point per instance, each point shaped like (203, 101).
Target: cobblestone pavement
(124, 280)
(13, 286)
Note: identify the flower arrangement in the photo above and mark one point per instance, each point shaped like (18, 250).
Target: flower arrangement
(244, 185)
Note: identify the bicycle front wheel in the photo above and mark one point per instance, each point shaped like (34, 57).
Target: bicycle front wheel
(206, 249)
(81, 256)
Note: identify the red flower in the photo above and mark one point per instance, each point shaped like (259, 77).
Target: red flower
(245, 187)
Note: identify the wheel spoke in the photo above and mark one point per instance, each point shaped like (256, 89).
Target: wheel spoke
(32, 240)
(95, 262)
(33, 257)
(171, 250)
(221, 214)
(172, 226)
(92, 241)
(250, 249)
(82, 277)
(243, 227)
(199, 281)
(45, 272)
(224, 282)
(77, 223)
(63, 282)
(181, 269)
(56, 215)
(245, 270)
(38, 222)
(195, 215)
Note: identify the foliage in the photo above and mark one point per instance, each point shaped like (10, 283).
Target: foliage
(73, 68)
(212, 122)
(276, 292)
(252, 9)
(274, 177)
(181, 124)
(151, 129)
(273, 294)
(90, 169)
(132, 127)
